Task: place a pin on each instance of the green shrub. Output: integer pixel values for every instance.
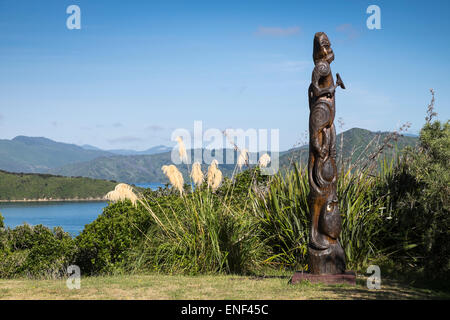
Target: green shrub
(104, 244)
(35, 251)
(2, 234)
(419, 187)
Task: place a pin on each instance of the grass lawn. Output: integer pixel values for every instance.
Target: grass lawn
(156, 286)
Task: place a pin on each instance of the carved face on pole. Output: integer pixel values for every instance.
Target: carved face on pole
(330, 217)
(322, 48)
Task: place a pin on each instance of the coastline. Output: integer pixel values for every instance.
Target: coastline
(57, 200)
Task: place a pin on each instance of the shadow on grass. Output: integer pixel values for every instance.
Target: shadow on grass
(390, 290)
(392, 287)
(416, 278)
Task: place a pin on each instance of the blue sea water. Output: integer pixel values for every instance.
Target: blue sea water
(71, 216)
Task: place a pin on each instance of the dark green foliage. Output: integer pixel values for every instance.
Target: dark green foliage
(35, 252)
(284, 218)
(104, 244)
(419, 189)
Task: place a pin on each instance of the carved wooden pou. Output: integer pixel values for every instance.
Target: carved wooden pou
(326, 255)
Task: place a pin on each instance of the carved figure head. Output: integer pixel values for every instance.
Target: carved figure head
(322, 48)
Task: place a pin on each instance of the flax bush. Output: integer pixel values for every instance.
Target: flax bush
(205, 232)
(285, 221)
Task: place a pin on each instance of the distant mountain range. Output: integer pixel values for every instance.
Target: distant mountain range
(37, 154)
(41, 155)
(127, 152)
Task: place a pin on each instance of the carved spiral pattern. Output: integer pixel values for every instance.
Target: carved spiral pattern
(323, 68)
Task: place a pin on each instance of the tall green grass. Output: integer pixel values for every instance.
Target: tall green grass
(285, 218)
(204, 233)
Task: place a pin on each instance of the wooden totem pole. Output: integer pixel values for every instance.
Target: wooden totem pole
(326, 255)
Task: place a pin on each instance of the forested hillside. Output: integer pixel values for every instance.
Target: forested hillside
(21, 186)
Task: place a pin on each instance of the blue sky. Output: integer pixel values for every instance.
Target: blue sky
(139, 69)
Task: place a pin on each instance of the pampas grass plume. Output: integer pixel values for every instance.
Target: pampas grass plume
(264, 160)
(175, 177)
(197, 174)
(122, 192)
(243, 157)
(217, 180)
(182, 150)
(214, 176)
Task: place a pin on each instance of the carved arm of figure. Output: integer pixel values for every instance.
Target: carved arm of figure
(321, 70)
